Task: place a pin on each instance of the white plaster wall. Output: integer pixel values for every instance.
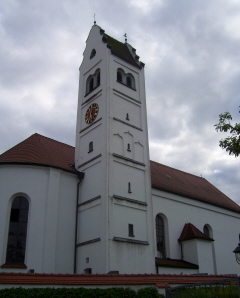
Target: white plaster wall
(122, 174)
(206, 262)
(130, 258)
(93, 182)
(190, 251)
(66, 224)
(138, 152)
(225, 226)
(129, 213)
(118, 144)
(51, 221)
(123, 105)
(100, 176)
(89, 222)
(95, 253)
(91, 135)
(127, 257)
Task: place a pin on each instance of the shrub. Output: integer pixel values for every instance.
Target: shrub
(79, 293)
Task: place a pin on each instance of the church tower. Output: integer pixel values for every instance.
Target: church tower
(114, 222)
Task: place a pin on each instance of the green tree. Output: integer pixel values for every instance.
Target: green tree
(231, 143)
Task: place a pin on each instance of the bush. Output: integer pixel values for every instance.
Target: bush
(208, 292)
(79, 293)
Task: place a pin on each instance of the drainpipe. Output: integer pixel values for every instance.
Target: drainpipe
(182, 256)
(80, 176)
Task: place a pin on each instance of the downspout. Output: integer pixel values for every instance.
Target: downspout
(80, 176)
(182, 256)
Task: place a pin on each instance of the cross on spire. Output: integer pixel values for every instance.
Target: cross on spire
(94, 19)
(125, 35)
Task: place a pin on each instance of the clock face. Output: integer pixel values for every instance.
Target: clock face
(91, 113)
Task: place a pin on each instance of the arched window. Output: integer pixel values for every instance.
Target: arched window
(93, 81)
(129, 82)
(160, 237)
(17, 234)
(119, 77)
(206, 230)
(126, 79)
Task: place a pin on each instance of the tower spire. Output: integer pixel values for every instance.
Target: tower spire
(94, 19)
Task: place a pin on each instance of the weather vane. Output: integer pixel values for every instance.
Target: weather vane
(125, 35)
(94, 19)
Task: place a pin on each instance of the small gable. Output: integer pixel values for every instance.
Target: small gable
(191, 232)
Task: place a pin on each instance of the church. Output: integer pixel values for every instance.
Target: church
(104, 206)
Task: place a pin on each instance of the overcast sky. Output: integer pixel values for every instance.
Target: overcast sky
(192, 68)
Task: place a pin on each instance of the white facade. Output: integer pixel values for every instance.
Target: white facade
(212, 257)
(106, 221)
(116, 187)
(52, 196)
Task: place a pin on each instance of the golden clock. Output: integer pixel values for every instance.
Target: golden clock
(91, 113)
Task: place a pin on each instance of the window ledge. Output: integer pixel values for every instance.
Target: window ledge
(91, 90)
(126, 85)
(14, 266)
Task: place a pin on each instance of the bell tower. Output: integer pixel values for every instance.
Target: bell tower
(115, 228)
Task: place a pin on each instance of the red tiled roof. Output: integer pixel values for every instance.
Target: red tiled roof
(185, 184)
(40, 150)
(191, 232)
(160, 280)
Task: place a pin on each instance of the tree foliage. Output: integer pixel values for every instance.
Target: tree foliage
(232, 143)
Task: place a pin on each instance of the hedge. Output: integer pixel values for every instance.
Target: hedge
(79, 293)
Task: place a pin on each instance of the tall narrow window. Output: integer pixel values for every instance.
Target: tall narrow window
(127, 117)
(119, 77)
(128, 148)
(90, 149)
(129, 187)
(129, 82)
(98, 79)
(130, 230)
(17, 234)
(160, 236)
(91, 82)
(206, 231)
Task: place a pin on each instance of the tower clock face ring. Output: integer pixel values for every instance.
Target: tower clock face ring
(91, 113)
